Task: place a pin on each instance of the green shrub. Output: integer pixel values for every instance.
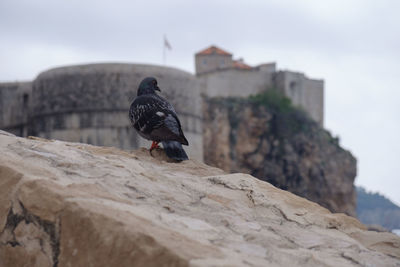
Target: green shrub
(288, 119)
(273, 100)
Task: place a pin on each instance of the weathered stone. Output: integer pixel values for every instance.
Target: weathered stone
(71, 204)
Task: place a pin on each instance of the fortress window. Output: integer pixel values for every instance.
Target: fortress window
(25, 100)
(204, 61)
(222, 62)
(292, 87)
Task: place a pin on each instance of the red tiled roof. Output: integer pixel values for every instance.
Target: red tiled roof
(238, 64)
(213, 50)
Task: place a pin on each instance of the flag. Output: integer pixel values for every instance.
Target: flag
(167, 44)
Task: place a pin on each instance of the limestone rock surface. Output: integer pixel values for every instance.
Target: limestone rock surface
(72, 204)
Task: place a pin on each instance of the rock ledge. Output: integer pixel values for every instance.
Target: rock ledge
(72, 204)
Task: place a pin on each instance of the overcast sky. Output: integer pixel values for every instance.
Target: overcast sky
(353, 45)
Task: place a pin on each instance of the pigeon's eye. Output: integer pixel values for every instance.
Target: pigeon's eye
(154, 82)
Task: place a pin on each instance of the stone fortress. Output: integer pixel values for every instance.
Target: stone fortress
(220, 75)
(89, 103)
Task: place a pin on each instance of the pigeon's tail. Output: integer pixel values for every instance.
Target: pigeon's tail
(174, 150)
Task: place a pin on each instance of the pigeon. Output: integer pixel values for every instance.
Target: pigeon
(154, 118)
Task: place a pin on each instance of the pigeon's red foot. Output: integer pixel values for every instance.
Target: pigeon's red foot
(154, 145)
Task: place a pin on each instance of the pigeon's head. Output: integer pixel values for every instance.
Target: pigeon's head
(148, 86)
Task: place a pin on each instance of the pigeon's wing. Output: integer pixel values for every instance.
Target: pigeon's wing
(143, 108)
(153, 116)
(172, 120)
(169, 130)
(172, 123)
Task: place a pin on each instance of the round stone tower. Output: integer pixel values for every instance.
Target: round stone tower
(90, 103)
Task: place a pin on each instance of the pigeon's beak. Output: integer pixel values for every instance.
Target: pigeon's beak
(158, 88)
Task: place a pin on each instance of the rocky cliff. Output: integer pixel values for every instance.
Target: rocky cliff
(268, 138)
(72, 204)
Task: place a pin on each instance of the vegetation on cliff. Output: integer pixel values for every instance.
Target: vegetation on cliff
(291, 119)
(288, 120)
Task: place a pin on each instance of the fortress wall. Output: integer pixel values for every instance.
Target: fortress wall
(108, 128)
(291, 84)
(235, 82)
(90, 104)
(105, 128)
(303, 92)
(314, 99)
(14, 106)
(107, 136)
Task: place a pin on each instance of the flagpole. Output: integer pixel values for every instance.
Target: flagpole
(164, 52)
(166, 45)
